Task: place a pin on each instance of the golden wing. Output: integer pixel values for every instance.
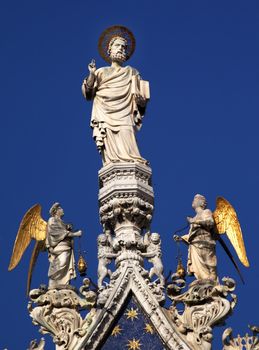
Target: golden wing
(31, 227)
(227, 222)
(38, 247)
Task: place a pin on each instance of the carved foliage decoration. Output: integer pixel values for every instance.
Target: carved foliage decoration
(126, 194)
(247, 342)
(57, 313)
(127, 207)
(205, 305)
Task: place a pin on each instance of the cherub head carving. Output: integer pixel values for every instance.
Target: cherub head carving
(155, 238)
(102, 239)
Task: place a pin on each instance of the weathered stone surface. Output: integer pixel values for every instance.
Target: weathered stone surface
(130, 281)
(57, 312)
(119, 99)
(126, 200)
(248, 342)
(205, 305)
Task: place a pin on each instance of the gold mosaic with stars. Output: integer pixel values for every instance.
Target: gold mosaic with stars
(131, 314)
(134, 344)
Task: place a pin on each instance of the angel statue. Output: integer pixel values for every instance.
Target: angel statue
(119, 98)
(205, 229)
(55, 236)
(153, 253)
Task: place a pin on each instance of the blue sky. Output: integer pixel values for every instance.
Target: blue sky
(200, 132)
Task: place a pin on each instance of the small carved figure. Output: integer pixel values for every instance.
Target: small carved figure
(205, 230)
(35, 346)
(89, 295)
(55, 236)
(119, 98)
(105, 254)
(153, 253)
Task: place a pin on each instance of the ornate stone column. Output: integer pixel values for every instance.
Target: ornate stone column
(126, 201)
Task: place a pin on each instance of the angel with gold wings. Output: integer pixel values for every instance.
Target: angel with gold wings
(55, 236)
(205, 229)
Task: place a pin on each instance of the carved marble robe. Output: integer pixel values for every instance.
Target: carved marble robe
(61, 255)
(202, 260)
(115, 114)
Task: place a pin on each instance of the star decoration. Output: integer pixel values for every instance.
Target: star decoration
(149, 329)
(116, 331)
(134, 344)
(131, 314)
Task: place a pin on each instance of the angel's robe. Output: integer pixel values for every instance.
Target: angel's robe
(202, 260)
(60, 250)
(115, 114)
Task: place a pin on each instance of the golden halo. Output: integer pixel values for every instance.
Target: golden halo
(112, 32)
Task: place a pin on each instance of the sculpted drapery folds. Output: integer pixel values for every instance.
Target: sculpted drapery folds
(60, 248)
(54, 236)
(202, 260)
(118, 105)
(201, 240)
(205, 229)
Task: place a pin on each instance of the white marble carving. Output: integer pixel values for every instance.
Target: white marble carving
(153, 253)
(126, 201)
(59, 242)
(57, 313)
(131, 280)
(129, 255)
(105, 256)
(205, 305)
(201, 240)
(118, 108)
(248, 342)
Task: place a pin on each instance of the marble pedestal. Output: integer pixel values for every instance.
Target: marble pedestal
(126, 200)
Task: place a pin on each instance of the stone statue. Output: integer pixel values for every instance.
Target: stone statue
(153, 253)
(55, 236)
(202, 261)
(60, 248)
(119, 98)
(105, 254)
(205, 229)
